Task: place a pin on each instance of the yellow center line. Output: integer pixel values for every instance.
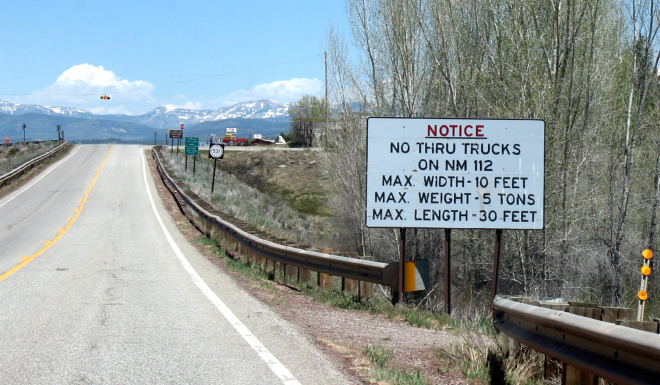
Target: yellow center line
(60, 233)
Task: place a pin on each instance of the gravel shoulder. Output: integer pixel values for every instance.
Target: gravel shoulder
(341, 334)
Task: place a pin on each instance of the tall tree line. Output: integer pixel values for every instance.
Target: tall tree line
(587, 67)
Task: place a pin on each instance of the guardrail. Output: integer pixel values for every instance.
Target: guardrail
(28, 142)
(590, 349)
(18, 171)
(260, 251)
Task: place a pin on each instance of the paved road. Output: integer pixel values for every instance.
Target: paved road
(98, 287)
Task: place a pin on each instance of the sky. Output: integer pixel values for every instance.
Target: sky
(145, 54)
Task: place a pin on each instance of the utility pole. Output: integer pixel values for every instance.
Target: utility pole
(24, 127)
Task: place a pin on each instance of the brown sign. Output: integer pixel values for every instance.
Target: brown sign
(176, 134)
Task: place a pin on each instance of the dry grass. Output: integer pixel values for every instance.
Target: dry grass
(263, 210)
(481, 358)
(19, 153)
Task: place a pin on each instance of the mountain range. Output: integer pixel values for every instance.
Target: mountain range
(266, 117)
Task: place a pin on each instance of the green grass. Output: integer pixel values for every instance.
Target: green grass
(398, 377)
(412, 316)
(379, 357)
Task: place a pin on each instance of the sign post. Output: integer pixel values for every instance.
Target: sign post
(216, 151)
(455, 174)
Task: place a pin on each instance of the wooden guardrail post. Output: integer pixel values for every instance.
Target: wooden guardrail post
(291, 272)
(324, 280)
(347, 284)
(575, 376)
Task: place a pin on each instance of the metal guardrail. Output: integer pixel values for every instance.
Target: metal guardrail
(18, 143)
(16, 172)
(615, 353)
(346, 267)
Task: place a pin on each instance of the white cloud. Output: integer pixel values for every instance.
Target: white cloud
(82, 85)
(280, 91)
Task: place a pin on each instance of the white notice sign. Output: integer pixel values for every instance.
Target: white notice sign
(455, 173)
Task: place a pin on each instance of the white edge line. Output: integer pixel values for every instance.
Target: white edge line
(39, 178)
(273, 363)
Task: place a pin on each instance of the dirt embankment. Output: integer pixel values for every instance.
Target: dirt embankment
(296, 177)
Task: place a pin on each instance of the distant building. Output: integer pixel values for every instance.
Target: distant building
(262, 142)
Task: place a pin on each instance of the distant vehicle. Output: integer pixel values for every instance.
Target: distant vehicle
(105, 97)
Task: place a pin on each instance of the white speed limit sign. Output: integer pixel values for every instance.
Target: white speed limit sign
(217, 151)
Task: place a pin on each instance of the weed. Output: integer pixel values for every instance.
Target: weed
(524, 367)
(205, 241)
(398, 377)
(378, 355)
(337, 298)
(471, 358)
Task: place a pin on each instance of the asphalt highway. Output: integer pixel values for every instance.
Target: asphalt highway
(97, 286)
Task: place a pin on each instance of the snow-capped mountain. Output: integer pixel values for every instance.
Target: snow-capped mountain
(168, 116)
(162, 117)
(260, 109)
(20, 109)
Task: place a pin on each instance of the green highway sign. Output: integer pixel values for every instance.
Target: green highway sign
(192, 145)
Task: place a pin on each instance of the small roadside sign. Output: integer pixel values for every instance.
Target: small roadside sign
(176, 134)
(217, 151)
(192, 145)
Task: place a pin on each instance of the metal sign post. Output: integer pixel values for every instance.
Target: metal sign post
(496, 264)
(402, 267)
(447, 263)
(216, 151)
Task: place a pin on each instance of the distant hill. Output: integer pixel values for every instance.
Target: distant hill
(258, 117)
(42, 127)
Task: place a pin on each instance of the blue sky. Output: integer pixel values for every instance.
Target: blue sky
(200, 54)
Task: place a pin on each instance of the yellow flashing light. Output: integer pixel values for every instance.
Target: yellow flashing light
(642, 295)
(647, 254)
(646, 270)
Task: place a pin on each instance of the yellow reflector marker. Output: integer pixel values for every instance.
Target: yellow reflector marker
(410, 280)
(647, 254)
(646, 270)
(642, 295)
